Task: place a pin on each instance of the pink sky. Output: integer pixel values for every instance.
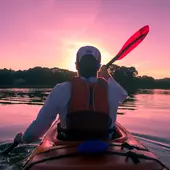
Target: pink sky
(49, 32)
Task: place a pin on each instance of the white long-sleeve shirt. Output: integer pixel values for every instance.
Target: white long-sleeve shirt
(57, 101)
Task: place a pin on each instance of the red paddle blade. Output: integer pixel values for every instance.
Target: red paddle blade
(132, 42)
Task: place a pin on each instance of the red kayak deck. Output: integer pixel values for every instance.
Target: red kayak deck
(124, 153)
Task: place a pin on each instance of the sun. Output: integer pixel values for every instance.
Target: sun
(72, 49)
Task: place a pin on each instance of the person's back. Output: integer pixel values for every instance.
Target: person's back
(84, 94)
(88, 104)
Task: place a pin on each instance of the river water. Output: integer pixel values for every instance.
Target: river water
(146, 115)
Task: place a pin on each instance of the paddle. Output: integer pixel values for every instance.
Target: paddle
(13, 145)
(130, 44)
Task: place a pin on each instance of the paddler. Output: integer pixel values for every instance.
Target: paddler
(77, 95)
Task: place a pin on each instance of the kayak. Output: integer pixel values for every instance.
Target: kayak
(123, 152)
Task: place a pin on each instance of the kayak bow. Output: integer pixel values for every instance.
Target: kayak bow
(123, 152)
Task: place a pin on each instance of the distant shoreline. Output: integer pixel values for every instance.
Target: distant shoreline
(27, 86)
(42, 77)
(50, 86)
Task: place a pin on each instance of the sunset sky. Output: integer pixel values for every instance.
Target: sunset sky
(48, 33)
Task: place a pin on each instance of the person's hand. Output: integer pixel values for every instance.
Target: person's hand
(18, 138)
(103, 72)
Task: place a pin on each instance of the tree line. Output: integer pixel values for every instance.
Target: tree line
(49, 77)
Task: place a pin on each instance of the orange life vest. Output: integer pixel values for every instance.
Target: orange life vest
(88, 96)
(88, 110)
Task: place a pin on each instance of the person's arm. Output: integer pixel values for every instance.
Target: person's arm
(45, 118)
(103, 72)
(116, 93)
(122, 94)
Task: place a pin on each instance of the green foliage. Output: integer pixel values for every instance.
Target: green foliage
(34, 77)
(129, 79)
(49, 77)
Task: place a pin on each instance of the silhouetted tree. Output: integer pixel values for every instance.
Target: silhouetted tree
(49, 77)
(126, 76)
